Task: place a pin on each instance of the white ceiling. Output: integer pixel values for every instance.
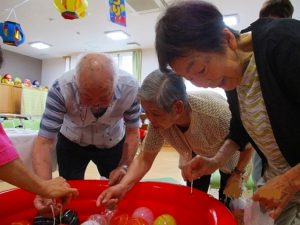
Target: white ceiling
(40, 21)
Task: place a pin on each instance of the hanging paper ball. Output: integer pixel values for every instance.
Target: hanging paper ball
(71, 9)
(11, 33)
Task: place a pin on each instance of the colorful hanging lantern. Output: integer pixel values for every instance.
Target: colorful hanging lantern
(11, 33)
(117, 12)
(71, 9)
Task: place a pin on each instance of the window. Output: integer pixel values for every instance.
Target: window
(124, 60)
(191, 87)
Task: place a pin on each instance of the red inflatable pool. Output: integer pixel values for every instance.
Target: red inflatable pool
(197, 208)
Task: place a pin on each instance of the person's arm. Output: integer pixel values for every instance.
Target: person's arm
(50, 125)
(128, 153)
(17, 174)
(234, 184)
(141, 164)
(244, 159)
(200, 165)
(137, 169)
(278, 192)
(41, 157)
(130, 147)
(132, 135)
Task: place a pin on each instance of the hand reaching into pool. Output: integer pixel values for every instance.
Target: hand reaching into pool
(110, 197)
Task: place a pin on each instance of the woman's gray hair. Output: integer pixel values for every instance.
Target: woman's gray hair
(163, 89)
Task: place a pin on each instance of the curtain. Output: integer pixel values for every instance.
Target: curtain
(137, 64)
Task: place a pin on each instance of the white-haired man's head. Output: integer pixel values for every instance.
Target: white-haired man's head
(96, 76)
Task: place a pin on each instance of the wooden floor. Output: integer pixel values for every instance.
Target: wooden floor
(165, 166)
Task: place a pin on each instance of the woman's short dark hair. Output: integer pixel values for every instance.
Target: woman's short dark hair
(277, 8)
(188, 26)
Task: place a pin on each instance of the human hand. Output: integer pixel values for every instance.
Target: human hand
(111, 196)
(56, 192)
(116, 175)
(198, 167)
(233, 188)
(58, 188)
(277, 193)
(47, 207)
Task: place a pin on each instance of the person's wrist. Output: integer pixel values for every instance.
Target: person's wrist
(292, 176)
(238, 171)
(124, 167)
(216, 163)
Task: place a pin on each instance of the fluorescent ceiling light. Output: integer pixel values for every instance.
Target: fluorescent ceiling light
(231, 20)
(117, 35)
(39, 45)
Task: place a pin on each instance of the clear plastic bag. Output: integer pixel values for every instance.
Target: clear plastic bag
(237, 207)
(248, 212)
(253, 215)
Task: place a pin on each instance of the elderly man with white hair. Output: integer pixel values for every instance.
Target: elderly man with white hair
(94, 113)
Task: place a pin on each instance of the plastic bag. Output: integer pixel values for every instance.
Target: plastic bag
(253, 215)
(237, 207)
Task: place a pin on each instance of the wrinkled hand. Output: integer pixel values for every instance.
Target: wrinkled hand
(116, 176)
(58, 188)
(276, 194)
(111, 196)
(56, 192)
(198, 167)
(234, 186)
(43, 206)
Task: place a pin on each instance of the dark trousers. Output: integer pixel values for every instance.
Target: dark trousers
(73, 159)
(224, 178)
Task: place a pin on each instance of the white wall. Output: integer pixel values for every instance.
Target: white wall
(52, 69)
(21, 66)
(149, 61)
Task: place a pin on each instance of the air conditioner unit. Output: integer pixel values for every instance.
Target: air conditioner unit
(148, 6)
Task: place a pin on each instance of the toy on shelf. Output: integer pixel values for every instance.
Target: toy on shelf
(18, 81)
(7, 79)
(71, 9)
(36, 83)
(27, 83)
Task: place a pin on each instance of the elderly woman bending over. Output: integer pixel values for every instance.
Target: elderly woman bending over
(194, 125)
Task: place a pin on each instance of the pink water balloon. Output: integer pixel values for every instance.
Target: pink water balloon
(144, 213)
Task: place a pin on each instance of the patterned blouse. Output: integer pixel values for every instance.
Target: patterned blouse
(256, 121)
(210, 117)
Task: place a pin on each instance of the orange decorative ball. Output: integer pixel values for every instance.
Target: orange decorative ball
(137, 221)
(120, 219)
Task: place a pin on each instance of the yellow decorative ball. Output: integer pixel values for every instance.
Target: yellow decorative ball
(165, 219)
